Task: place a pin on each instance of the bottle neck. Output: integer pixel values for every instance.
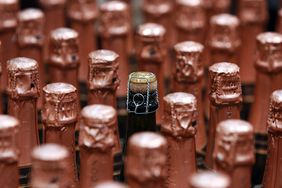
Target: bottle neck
(274, 163)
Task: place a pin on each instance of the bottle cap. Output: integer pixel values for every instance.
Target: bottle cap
(23, 78)
(189, 65)
(103, 67)
(146, 157)
(60, 104)
(97, 127)
(225, 84)
(30, 30)
(269, 55)
(180, 115)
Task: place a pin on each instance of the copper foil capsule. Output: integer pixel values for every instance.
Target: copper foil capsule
(59, 117)
(50, 167)
(54, 11)
(225, 99)
(272, 175)
(145, 163)
(188, 77)
(9, 152)
(115, 32)
(30, 40)
(23, 91)
(82, 16)
(253, 16)
(162, 12)
(96, 140)
(224, 40)
(268, 77)
(110, 184)
(64, 58)
(103, 82)
(234, 151)
(209, 179)
(8, 25)
(179, 128)
(190, 20)
(103, 79)
(151, 55)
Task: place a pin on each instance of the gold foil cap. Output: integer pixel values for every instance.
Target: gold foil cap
(209, 179)
(64, 47)
(30, 30)
(138, 82)
(157, 8)
(60, 104)
(23, 78)
(224, 32)
(97, 127)
(110, 184)
(225, 84)
(114, 19)
(84, 11)
(234, 144)
(146, 157)
(103, 67)
(8, 12)
(9, 129)
(189, 65)
(49, 163)
(180, 115)
(274, 122)
(269, 52)
(151, 32)
(190, 15)
(52, 3)
(252, 11)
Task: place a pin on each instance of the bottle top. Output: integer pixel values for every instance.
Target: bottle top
(30, 30)
(225, 84)
(64, 47)
(180, 115)
(234, 144)
(189, 65)
(253, 11)
(60, 104)
(8, 139)
(84, 11)
(8, 12)
(157, 8)
(50, 153)
(269, 55)
(110, 184)
(146, 157)
(50, 162)
(274, 122)
(224, 32)
(190, 14)
(114, 18)
(103, 67)
(142, 94)
(209, 179)
(24, 71)
(151, 32)
(97, 127)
